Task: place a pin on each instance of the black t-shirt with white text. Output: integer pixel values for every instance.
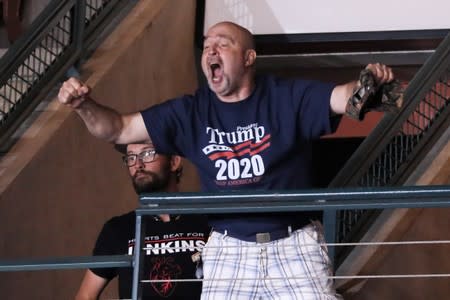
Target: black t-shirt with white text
(169, 247)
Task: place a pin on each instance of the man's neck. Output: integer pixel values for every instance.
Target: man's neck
(165, 218)
(171, 188)
(242, 92)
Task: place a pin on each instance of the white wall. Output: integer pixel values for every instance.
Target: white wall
(320, 16)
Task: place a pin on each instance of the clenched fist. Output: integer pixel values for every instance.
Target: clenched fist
(381, 73)
(376, 90)
(73, 92)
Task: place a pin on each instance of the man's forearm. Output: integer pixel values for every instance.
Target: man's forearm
(101, 121)
(340, 95)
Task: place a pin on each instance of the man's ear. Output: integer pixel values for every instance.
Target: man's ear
(175, 163)
(250, 57)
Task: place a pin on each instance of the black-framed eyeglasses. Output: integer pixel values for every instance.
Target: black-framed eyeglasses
(146, 156)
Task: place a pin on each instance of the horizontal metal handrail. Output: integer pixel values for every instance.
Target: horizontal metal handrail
(304, 200)
(79, 262)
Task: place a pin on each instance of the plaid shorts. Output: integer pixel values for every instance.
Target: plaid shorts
(296, 267)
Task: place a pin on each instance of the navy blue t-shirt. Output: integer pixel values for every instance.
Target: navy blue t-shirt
(260, 143)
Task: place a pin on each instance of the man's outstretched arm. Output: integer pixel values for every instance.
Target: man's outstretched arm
(101, 121)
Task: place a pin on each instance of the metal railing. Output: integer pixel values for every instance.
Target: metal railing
(57, 39)
(66, 263)
(328, 200)
(391, 152)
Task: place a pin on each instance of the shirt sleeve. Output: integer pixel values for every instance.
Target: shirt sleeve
(312, 102)
(167, 124)
(106, 245)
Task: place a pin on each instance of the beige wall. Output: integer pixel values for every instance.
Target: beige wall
(55, 195)
(428, 225)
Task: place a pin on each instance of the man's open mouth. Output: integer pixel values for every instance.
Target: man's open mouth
(216, 72)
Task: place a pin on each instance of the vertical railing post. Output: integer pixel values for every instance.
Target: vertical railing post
(136, 291)
(79, 25)
(329, 225)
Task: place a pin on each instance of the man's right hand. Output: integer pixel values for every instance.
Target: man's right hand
(73, 92)
(102, 121)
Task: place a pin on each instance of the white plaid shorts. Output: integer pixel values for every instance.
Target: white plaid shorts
(295, 267)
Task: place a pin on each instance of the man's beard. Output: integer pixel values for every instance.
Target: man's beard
(151, 182)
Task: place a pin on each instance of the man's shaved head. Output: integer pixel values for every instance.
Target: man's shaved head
(228, 61)
(244, 35)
